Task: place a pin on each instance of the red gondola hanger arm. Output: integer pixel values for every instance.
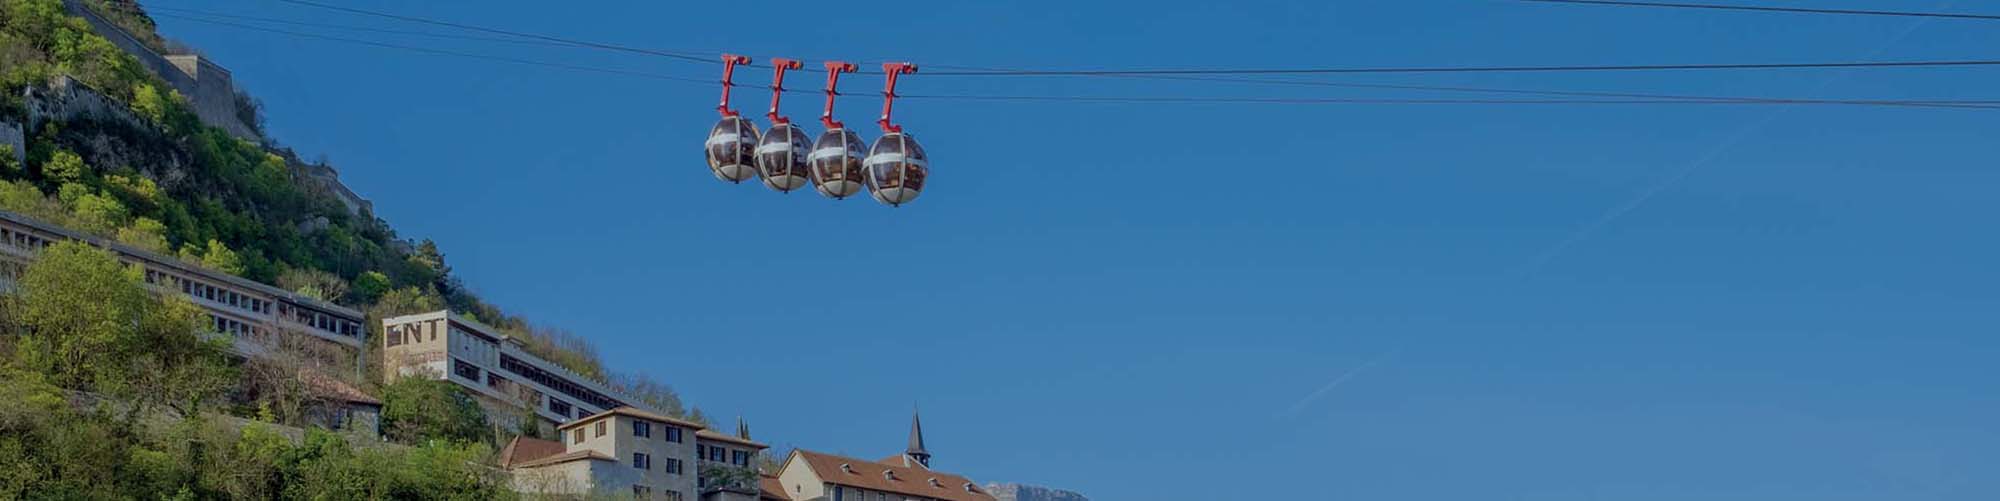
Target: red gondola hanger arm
(729, 62)
(780, 64)
(833, 71)
(892, 70)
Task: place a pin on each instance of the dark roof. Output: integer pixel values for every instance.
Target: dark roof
(565, 458)
(633, 412)
(525, 449)
(724, 437)
(902, 480)
(916, 437)
(330, 387)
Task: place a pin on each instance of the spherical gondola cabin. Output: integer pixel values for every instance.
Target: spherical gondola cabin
(781, 157)
(732, 149)
(897, 167)
(836, 163)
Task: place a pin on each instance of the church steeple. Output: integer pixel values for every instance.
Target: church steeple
(917, 451)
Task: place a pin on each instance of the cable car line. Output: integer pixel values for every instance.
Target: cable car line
(193, 14)
(453, 53)
(1473, 69)
(693, 57)
(1760, 8)
(497, 31)
(1631, 98)
(1290, 100)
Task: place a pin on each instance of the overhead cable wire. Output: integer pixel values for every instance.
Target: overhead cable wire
(1630, 98)
(444, 52)
(1762, 8)
(1468, 69)
(1295, 100)
(463, 26)
(1211, 71)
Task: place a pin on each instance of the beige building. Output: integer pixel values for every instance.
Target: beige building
(630, 451)
(814, 476)
(497, 369)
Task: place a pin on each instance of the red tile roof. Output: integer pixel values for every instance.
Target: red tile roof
(901, 479)
(768, 488)
(525, 449)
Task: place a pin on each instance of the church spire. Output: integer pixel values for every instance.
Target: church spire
(916, 450)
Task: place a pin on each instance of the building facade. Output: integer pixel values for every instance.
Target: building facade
(816, 476)
(496, 368)
(630, 451)
(257, 317)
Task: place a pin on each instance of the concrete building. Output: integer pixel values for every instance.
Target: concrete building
(631, 451)
(815, 476)
(497, 369)
(257, 317)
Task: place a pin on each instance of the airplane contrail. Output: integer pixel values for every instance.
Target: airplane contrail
(1337, 381)
(1609, 216)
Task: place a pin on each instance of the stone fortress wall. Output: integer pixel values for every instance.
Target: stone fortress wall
(209, 88)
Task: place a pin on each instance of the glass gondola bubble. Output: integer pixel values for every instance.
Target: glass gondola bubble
(732, 149)
(896, 167)
(781, 157)
(836, 163)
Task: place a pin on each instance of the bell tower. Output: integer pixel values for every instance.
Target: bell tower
(916, 451)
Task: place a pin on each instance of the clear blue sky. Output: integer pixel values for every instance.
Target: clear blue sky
(1152, 302)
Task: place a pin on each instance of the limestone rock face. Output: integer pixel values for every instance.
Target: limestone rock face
(1019, 492)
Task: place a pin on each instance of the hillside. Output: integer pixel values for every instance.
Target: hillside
(148, 172)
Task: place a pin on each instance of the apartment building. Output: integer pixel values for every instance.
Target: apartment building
(630, 451)
(256, 316)
(496, 368)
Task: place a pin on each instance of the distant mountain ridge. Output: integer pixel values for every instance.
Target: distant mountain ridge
(1021, 492)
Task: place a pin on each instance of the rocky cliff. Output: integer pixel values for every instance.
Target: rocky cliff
(1018, 492)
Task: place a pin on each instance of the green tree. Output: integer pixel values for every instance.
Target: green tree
(9, 166)
(417, 409)
(146, 233)
(370, 286)
(215, 257)
(63, 166)
(86, 323)
(149, 104)
(313, 283)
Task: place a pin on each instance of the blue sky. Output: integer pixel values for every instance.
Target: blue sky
(1226, 301)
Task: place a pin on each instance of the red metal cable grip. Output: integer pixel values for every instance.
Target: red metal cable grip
(778, 87)
(892, 70)
(729, 62)
(833, 71)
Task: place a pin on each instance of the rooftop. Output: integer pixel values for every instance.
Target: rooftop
(634, 412)
(894, 478)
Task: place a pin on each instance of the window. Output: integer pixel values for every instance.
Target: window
(642, 492)
(673, 434)
(642, 461)
(576, 437)
(740, 458)
(700, 451)
(642, 429)
(673, 495)
(715, 453)
(560, 408)
(673, 466)
(465, 369)
(600, 427)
